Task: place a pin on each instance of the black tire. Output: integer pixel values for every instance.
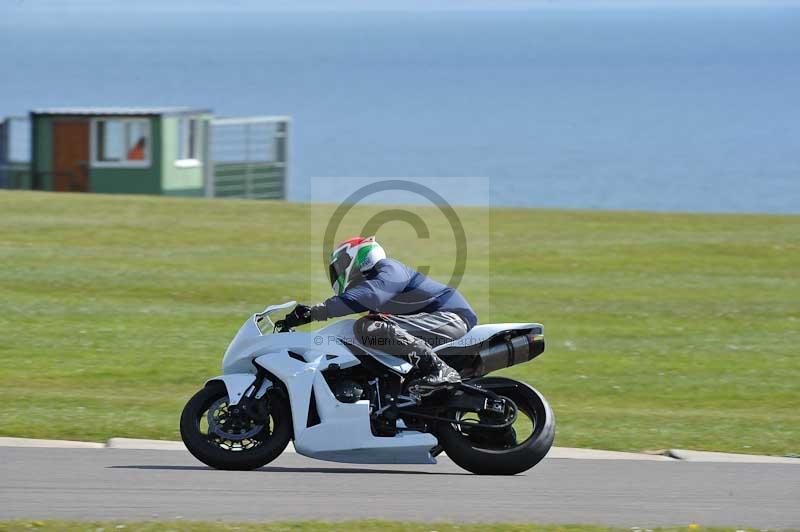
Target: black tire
(521, 456)
(270, 442)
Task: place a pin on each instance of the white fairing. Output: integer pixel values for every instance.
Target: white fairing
(343, 433)
(236, 384)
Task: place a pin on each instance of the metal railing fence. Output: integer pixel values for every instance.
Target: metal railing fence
(15, 150)
(248, 157)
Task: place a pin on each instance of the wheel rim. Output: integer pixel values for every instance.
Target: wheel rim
(230, 429)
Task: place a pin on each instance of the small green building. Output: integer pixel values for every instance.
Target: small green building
(171, 150)
(119, 150)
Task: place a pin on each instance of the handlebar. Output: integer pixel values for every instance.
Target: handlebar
(281, 326)
(299, 316)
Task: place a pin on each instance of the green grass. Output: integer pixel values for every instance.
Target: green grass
(664, 330)
(310, 526)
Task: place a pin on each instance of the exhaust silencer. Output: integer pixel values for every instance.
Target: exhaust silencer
(508, 352)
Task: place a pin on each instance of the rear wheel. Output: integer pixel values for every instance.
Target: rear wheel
(506, 451)
(224, 437)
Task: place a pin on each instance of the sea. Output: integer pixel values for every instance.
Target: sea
(666, 107)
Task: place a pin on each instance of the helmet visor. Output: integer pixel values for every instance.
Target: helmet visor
(338, 269)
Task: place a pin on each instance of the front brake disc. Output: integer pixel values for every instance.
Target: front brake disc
(221, 423)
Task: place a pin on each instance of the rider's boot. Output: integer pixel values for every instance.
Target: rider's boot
(433, 373)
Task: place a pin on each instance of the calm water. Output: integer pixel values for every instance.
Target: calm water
(694, 109)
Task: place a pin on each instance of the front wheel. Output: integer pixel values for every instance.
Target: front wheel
(224, 437)
(502, 452)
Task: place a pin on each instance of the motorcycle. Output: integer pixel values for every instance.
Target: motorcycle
(340, 400)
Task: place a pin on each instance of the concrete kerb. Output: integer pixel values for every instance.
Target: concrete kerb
(669, 455)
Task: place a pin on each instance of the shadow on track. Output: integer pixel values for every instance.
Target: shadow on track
(276, 469)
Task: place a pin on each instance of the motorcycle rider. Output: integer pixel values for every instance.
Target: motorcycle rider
(408, 313)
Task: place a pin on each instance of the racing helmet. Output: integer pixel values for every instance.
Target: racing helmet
(350, 259)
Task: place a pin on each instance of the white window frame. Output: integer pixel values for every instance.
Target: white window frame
(93, 148)
(190, 123)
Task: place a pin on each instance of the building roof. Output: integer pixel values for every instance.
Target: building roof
(119, 111)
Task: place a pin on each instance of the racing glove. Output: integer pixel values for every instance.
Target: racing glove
(299, 316)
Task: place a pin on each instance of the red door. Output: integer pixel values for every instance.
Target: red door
(71, 156)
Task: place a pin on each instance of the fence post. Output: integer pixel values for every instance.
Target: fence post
(282, 152)
(248, 176)
(208, 160)
(3, 152)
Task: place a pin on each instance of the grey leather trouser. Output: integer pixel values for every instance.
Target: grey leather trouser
(410, 336)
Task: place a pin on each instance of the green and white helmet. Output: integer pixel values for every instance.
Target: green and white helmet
(351, 258)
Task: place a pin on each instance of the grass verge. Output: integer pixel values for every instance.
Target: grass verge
(664, 330)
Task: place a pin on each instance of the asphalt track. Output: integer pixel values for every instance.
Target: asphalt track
(41, 483)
